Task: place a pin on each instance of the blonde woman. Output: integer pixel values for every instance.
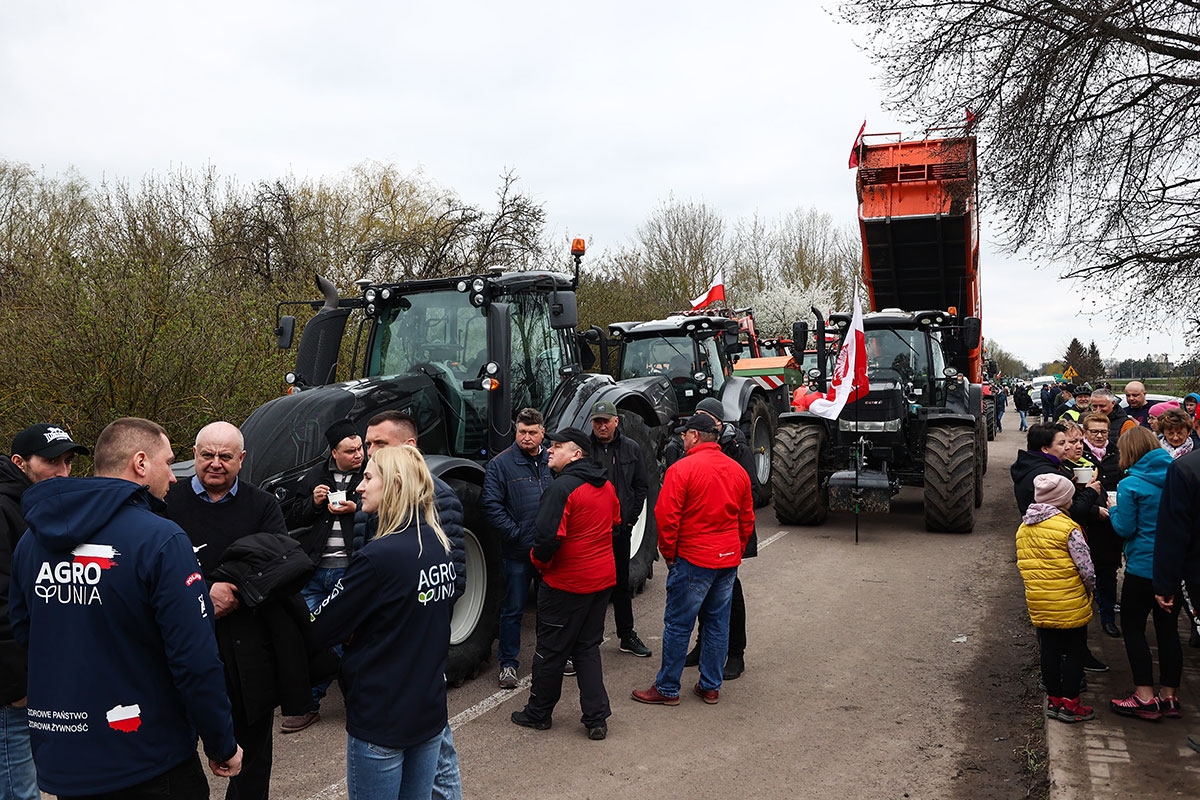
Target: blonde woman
(392, 608)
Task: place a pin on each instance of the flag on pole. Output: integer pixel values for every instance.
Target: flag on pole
(858, 140)
(850, 371)
(715, 292)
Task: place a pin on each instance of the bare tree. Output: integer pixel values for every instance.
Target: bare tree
(1087, 120)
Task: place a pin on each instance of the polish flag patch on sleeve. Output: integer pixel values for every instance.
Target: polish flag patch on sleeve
(102, 555)
(126, 719)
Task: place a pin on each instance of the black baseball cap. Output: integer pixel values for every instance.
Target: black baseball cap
(45, 440)
(702, 423)
(573, 435)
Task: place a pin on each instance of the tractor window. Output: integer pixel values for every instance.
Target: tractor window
(539, 352)
(712, 364)
(441, 329)
(672, 356)
(897, 352)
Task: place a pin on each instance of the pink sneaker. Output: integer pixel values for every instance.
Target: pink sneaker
(1170, 707)
(1134, 706)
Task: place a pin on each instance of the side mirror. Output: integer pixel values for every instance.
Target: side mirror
(285, 331)
(564, 311)
(971, 332)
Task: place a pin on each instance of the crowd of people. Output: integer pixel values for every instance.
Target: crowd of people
(146, 614)
(1100, 487)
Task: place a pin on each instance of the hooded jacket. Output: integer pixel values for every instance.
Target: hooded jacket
(1177, 542)
(1029, 465)
(13, 483)
(572, 540)
(109, 599)
(1135, 516)
(705, 510)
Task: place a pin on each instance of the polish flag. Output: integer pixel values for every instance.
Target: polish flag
(102, 555)
(850, 371)
(715, 292)
(858, 140)
(126, 719)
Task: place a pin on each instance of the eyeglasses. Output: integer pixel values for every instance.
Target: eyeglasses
(1097, 431)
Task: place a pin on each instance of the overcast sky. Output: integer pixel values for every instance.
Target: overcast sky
(604, 110)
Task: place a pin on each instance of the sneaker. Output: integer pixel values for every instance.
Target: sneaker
(1170, 707)
(1053, 707)
(1134, 706)
(633, 645)
(598, 732)
(526, 721)
(569, 668)
(710, 696)
(654, 697)
(1071, 710)
(294, 723)
(1093, 664)
(508, 677)
(693, 657)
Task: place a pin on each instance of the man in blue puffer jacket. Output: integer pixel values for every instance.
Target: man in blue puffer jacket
(512, 491)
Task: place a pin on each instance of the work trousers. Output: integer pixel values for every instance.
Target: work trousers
(254, 781)
(569, 626)
(184, 781)
(622, 598)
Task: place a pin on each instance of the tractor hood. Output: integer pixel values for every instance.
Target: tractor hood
(288, 433)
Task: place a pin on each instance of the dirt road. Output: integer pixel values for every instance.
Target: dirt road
(899, 667)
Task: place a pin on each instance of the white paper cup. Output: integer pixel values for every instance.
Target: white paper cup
(1084, 474)
(337, 498)
(1112, 498)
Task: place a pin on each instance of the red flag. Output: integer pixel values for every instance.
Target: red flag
(715, 292)
(850, 372)
(857, 144)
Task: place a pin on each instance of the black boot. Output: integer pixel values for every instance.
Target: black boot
(735, 665)
(693, 657)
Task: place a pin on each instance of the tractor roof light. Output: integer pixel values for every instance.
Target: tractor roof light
(370, 295)
(491, 368)
(385, 294)
(461, 286)
(578, 247)
(490, 385)
(477, 285)
(371, 309)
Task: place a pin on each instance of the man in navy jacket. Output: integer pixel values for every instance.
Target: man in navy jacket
(108, 597)
(512, 491)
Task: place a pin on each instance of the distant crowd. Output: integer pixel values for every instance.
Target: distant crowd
(1109, 494)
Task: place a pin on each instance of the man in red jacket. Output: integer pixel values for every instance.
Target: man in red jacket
(705, 515)
(573, 549)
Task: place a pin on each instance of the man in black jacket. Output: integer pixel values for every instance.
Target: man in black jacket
(621, 458)
(216, 509)
(326, 530)
(1177, 543)
(39, 452)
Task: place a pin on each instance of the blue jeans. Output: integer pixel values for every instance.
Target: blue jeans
(695, 591)
(320, 586)
(18, 780)
(1024, 421)
(447, 784)
(517, 575)
(374, 772)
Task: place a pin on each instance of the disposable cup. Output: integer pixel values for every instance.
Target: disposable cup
(1112, 498)
(1084, 474)
(337, 498)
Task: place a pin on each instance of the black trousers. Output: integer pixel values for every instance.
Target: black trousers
(569, 626)
(1063, 651)
(254, 781)
(183, 782)
(622, 599)
(1137, 605)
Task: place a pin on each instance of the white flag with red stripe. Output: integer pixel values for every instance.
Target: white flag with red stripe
(715, 292)
(850, 372)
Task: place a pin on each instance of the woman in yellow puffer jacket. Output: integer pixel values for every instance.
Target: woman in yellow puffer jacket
(1053, 557)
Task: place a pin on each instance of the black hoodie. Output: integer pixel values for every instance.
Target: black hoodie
(13, 673)
(1029, 465)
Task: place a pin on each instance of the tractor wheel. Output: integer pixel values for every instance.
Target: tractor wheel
(950, 479)
(989, 414)
(759, 426)
(643, 544)
(981, 459)
(476, 614)
(801, 496)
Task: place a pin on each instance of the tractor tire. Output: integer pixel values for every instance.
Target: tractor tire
(476, 616)
(801, 495)
(759, 426)
(981, 458)
(643, 543)
(951, 472)
(989, 414)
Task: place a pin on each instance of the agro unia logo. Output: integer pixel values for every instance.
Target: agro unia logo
(76, 582)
